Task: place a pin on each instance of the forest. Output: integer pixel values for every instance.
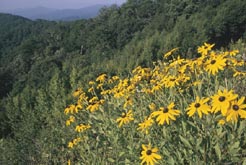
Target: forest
(44, 63)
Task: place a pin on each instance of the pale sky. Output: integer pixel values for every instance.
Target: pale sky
(57, 4)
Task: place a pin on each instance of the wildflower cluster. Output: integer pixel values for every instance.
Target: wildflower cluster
(162, 100)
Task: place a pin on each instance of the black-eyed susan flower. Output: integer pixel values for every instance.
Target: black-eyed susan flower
(233, 52)
(70, 145)
(239, 73)
(93, 106)
(145, 125)
(125, 118)
(74, 142)
(70, 120)
(176, 62)
(149, 155)
(171, 81)
(93, 99)
(69, 109)
(100, 86)
(221, 101)
(205, 48)
(221, 122)
(91, 82)
(128, 102)
(152, 106)
(82, 127)
(215, 63)
(77, 108)
(198, 106)
(165, 114)
(236, 109)
(101, 78)
(166, 55)
(77, 92)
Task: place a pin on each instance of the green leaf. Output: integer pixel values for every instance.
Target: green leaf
(171, 161)
(217, 151)
(121, 154)
(198, 142)
(233, 149)
(111, 160)
(184, 126)
(244, 161)
(235, 145)
(241, 128)
(185, 141)
(127, 161)
(192, 124)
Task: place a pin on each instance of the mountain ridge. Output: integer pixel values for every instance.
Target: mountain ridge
(53, 14)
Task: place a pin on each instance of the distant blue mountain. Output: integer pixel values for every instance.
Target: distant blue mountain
(58, 14)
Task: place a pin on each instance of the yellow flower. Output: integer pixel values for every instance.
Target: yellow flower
(128, 102)
(238, 73)
(171, 81)
(236, 109)
(198, 106)
(76, 140)
(69, 109)
(101, 78)
(156, 87)
(221, 122)
(77, 92)
(91, 89)
(125, 118)
(100, 86)
(144, 126)
(70, 145)
(196, 83)
(77, 108)
(91, 82)
(82, 127)
(115, 78)
(176, 62)
(93, 99)
(164, 114)
(70, 120)
(149, 155)
(215, 64)
(205, 48)
(68, 162)
(166, 55)
(221, 101)
(93, 106)
(234, 52)
(152, 107)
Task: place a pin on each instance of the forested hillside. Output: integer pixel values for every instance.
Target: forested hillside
(42, 62)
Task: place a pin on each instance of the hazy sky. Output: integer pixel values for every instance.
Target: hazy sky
(59, 4)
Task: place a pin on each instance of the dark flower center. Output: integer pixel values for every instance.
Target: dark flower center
(222, 98)
(213, 62)
(123, 115)
(235, 107)
(197, 105)
(148, 152)
(165, 110)
(172, 79)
